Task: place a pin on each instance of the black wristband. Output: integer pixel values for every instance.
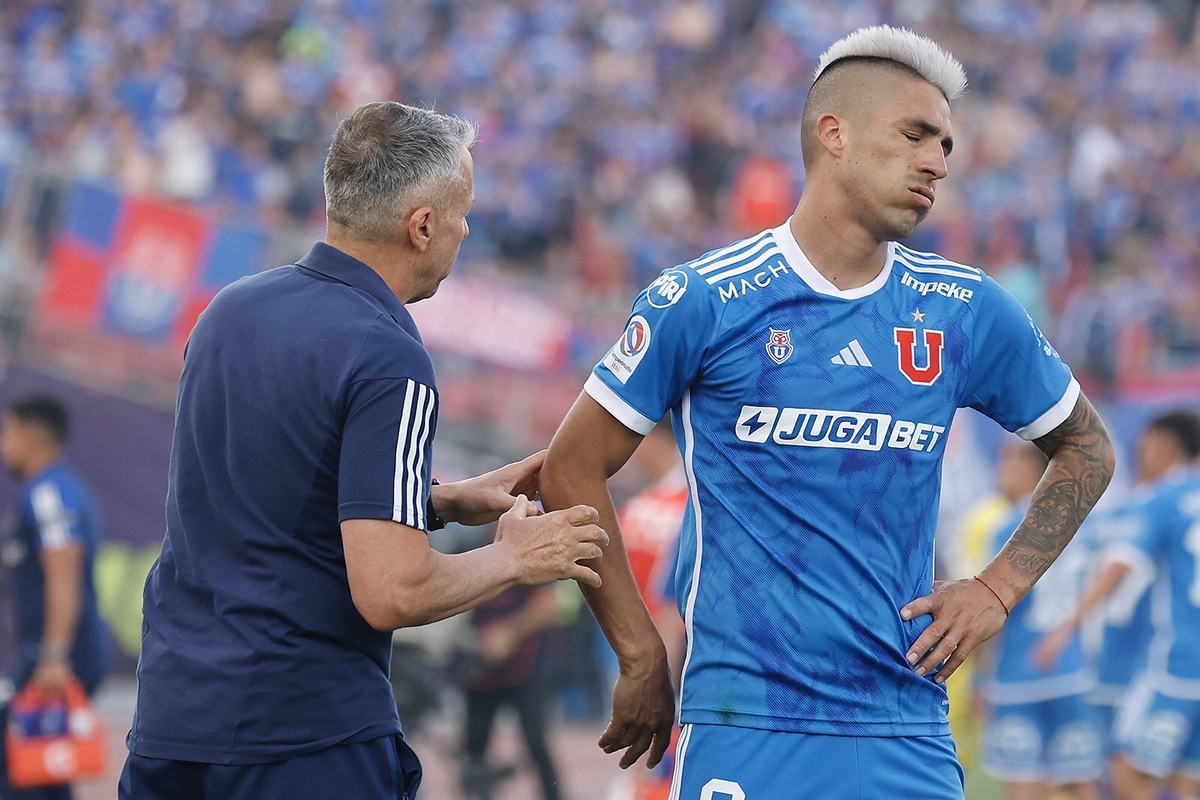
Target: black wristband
(432, 521)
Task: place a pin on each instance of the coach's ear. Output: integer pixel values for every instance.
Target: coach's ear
(420, 228)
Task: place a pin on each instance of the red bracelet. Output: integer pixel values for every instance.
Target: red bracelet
(993, 591)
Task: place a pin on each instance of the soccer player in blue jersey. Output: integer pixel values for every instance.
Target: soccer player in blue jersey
(1157, 730)
(811, 372)
(50, 555)
(1042, 738)
(300, 498)
(1120, 585)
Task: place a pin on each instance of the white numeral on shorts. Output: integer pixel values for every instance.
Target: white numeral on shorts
(727, 789)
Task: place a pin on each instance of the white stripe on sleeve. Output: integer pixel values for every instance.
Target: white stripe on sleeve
(626, 414)
(54, 527)
(416, 422)
(401, 511)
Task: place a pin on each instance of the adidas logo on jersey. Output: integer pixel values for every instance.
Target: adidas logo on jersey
(852, 355)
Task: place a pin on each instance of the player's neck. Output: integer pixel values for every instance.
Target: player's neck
(846, 255)
(37, 463)
(387, 259)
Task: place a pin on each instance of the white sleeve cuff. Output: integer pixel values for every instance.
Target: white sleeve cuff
(624, 413)
(1054, 417)
(1131, 556)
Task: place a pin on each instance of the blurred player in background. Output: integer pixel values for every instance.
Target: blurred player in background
(1119, 587)
(812, 371)
(509, 633)
(50, 555)
(300, 498)
(1157, 729)
(1042, 736)
(650, 525)
(971, 550)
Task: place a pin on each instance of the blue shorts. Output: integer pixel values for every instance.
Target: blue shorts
(1106, 717)
(380, 769)
(717, 762)
(1159, 734)
(1055, 741)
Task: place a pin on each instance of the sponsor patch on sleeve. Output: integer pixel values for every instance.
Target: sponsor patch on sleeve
(628, 352)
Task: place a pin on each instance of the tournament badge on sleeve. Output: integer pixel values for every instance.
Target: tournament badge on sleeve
(53, 739)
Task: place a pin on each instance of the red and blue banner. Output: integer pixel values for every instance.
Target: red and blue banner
(141, 269)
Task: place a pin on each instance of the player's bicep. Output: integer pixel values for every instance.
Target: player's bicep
(63, 566)
(590, 442)
(383, 558)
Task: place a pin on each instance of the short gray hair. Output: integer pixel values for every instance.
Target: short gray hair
(919, 53)
(381, 154)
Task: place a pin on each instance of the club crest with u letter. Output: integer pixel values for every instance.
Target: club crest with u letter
(779, 345)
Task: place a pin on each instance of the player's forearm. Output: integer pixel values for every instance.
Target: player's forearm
(617, 604)
(63, 607)
(1080, 468)
(445, 585)
(1100, 590)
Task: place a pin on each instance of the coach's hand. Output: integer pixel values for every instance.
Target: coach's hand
(549, 547)
(643, 714)
(965, 614)
(482, 499)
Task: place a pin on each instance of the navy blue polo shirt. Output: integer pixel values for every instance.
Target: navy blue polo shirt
(306, 399)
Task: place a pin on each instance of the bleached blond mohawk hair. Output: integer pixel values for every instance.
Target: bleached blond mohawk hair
(919, 53)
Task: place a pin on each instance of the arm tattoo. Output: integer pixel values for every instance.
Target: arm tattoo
(1081, 465)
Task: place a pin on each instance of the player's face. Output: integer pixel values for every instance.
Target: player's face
(1156, 454)
(15, 439)
(897, 155)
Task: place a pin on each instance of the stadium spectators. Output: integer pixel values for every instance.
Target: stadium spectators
(619, 135)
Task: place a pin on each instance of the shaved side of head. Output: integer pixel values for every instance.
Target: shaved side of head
(848, 88)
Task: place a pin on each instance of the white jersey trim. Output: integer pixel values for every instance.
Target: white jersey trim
(816, 281)
(54, 528)
(689, 611)
(681, 747)
(1054, 416)
(1131, 556)
(613, 403)
(1002, 693)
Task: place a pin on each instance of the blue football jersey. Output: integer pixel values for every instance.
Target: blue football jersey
(812, 422)
(1126, 626)
(1169, 538)
(1013, 677)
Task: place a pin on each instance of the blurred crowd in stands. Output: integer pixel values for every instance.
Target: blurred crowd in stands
(619, 137)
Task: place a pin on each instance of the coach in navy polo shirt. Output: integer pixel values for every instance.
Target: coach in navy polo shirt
(300, 497)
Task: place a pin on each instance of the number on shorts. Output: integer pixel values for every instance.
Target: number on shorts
(718, 789)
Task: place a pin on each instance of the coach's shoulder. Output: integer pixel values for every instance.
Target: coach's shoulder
(392, 349)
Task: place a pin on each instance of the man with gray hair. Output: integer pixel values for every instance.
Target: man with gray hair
(811, 373)
(300, 498)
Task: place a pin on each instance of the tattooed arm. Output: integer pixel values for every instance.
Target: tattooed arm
(969, 612)
(1081, 465)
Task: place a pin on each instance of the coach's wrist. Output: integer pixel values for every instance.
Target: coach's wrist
(443, 503)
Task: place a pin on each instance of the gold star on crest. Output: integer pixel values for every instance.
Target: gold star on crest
(918, 316)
